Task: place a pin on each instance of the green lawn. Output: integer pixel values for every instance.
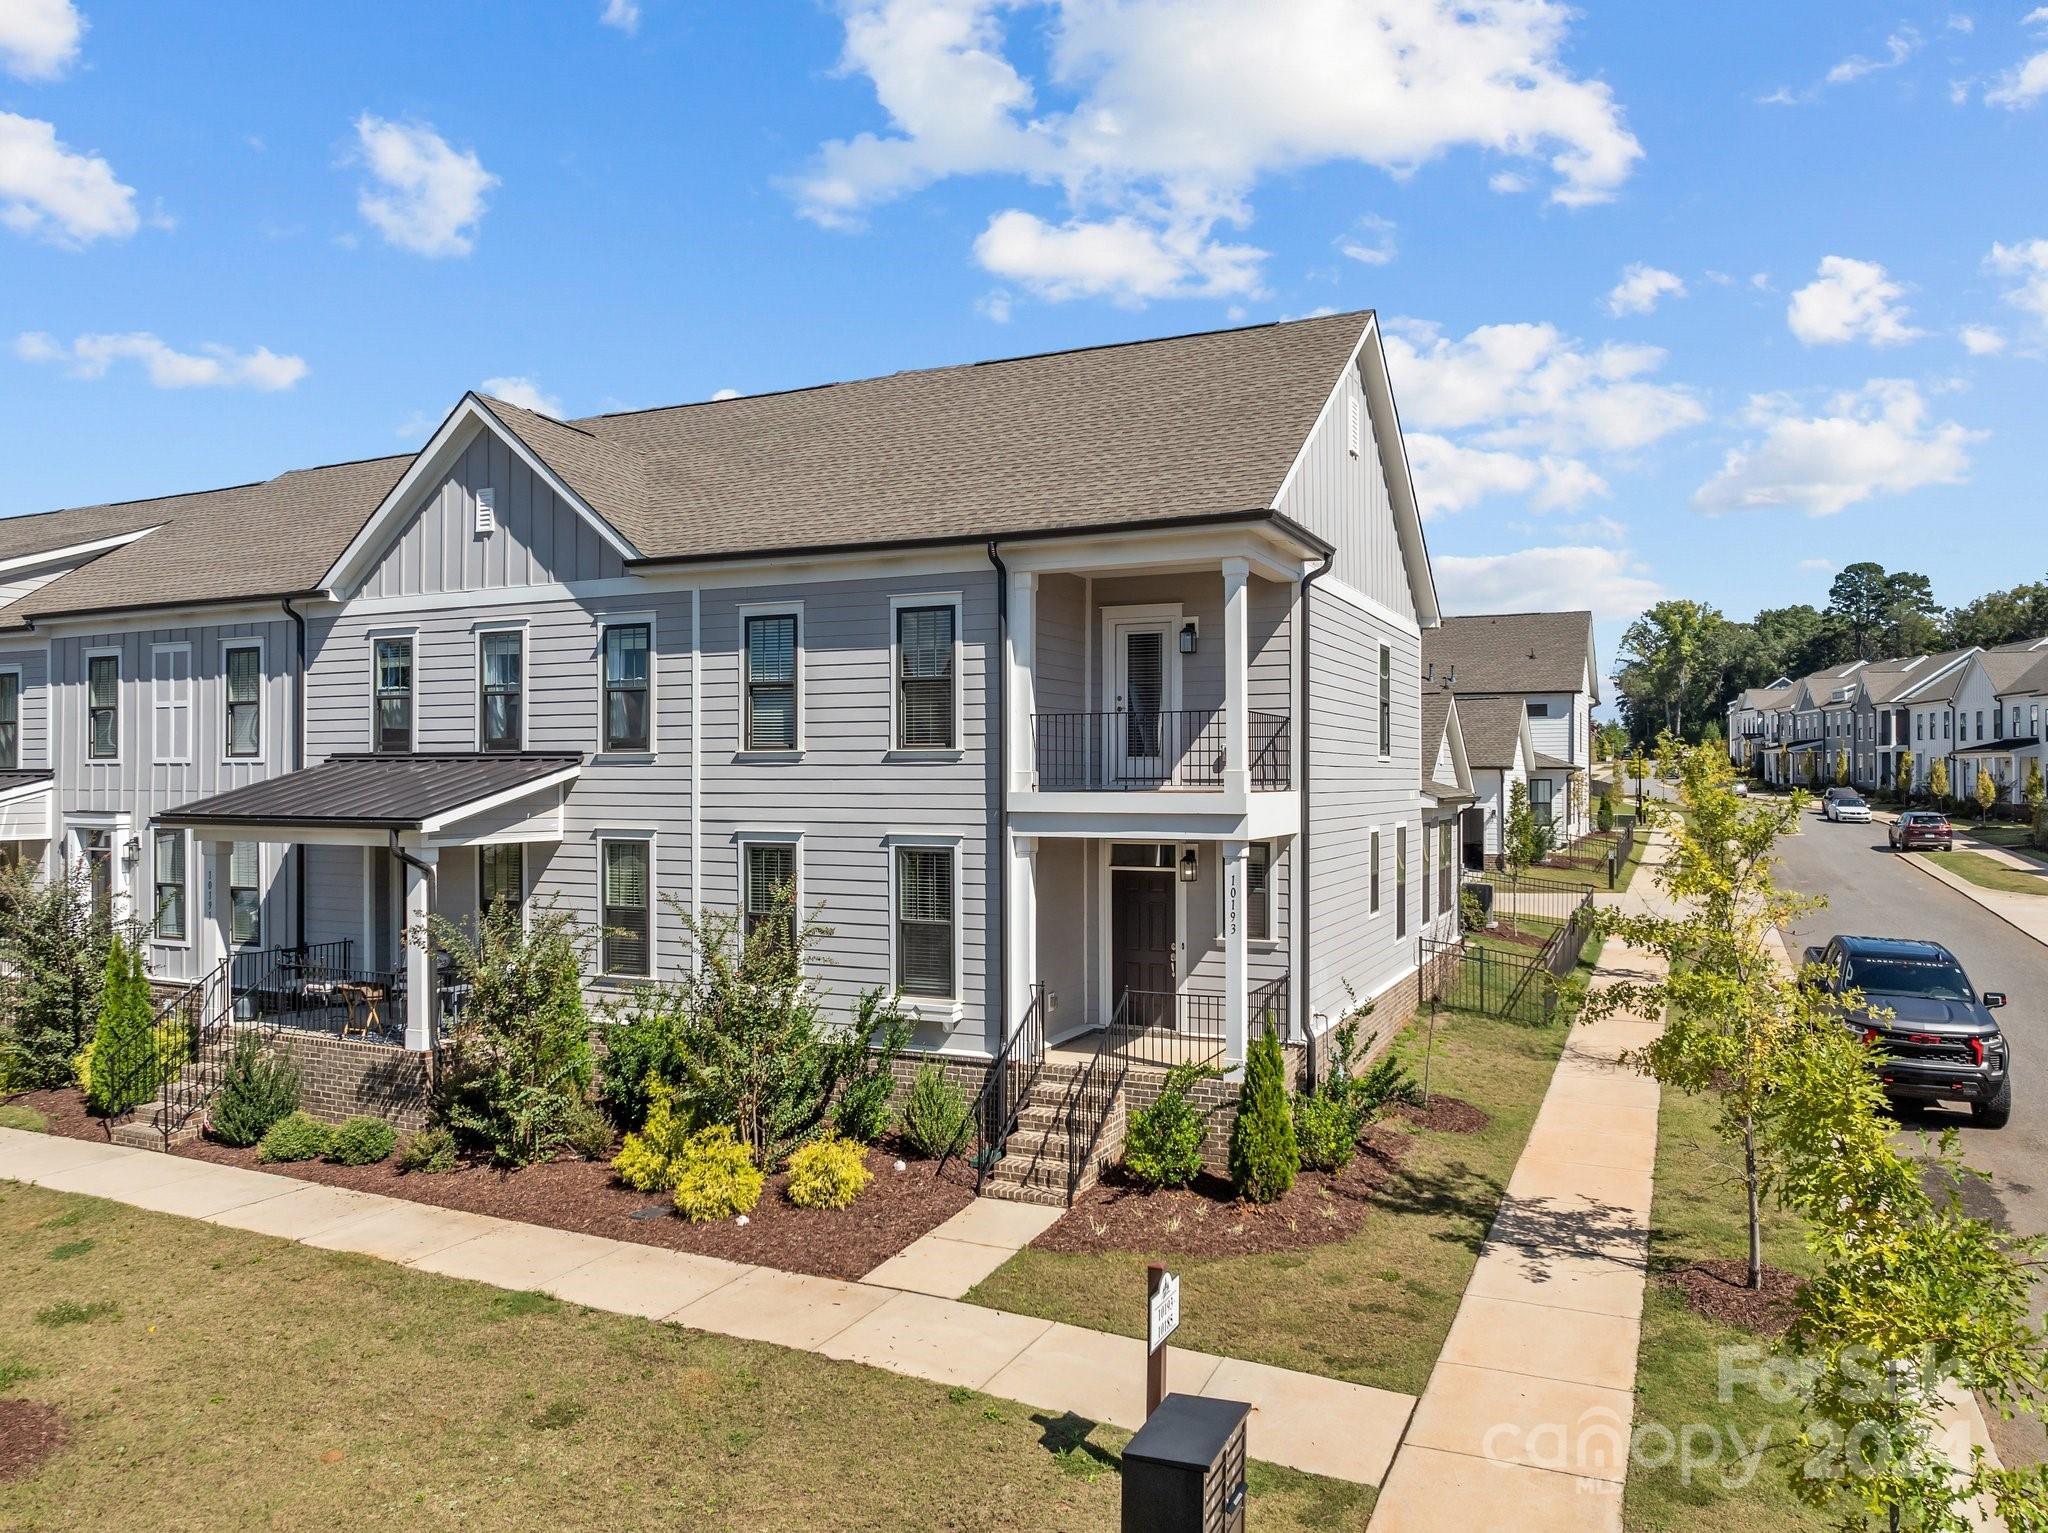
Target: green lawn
(1373, 1309)
(1594, 845)
(215, 1379)
(27, 1119)
(1987, 873)
(1697, 1214)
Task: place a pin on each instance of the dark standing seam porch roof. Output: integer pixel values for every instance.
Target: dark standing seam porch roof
(1997, 747)
(14, 782)
(368, 792)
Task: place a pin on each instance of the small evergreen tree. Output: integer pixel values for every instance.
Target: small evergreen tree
(257, 1089)
(126, 1068)
(1263, 1153)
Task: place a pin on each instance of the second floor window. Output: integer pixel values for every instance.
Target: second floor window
(170, 886)
(626, 676)
(501, 685)
(1386, 701)
(10, 721)
(243, 664)
(391, 680)
(924, 678)
(771, 701)
(103, 708)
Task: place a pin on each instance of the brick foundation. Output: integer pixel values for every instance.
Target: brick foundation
(340, 1079)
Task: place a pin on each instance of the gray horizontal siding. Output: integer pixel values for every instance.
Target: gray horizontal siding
(32, 662)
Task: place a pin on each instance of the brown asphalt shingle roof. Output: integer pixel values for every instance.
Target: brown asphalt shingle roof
(1492, 727)
(1512, 651)
(1176, 429)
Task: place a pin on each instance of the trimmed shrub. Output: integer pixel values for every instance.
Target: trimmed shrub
(294, 1137)
(361, 1141)
(429, 1151)
(828, 1173)
(53, 960)
(935, 1116)
(1326, 1129)
(1163, 1142)
(862, 1111)
(1263, 1152)
(715, 1177)
(589, 1134)
(257, 1088)
(643, 1042)
(646, 1162)
(1387, 1084)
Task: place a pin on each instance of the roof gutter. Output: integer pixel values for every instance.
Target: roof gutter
(1002, 748)
(1305, 1005)
(73, 614)
(298, 758)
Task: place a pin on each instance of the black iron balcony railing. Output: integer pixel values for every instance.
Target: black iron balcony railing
(1161, 748)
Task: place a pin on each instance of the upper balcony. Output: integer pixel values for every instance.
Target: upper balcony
(1148, 748)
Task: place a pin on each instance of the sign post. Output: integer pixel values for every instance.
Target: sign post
(1162, 1304)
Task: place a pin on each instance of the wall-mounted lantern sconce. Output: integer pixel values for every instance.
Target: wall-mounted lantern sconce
(1188, 863)
(1188, 632)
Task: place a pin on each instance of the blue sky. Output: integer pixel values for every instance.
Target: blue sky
(1689, 300)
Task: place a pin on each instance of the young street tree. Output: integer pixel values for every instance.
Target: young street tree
(1937, 783)
(1986, 792)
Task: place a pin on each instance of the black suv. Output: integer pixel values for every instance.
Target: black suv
(1938, 1042)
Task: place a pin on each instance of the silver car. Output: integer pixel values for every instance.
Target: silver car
(1848, 809)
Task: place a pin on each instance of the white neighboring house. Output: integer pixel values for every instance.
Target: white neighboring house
(1501, 753)
(1998, 719)
(1546, 664)
(1747, 711)
(1448, 803)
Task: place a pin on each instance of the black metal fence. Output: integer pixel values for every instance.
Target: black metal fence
(1156, 748)
(1623, 848)
(1523, 985)
(1509, 895)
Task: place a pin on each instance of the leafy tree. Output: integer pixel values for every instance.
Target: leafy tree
(1671, 663)
(2036, 790)
(1904, 780)
(1986, 791)
(1937, 783)
(1263, 1152)
(2000, 617)
(53, 960)
(1841, 769)
(1523, 841)
(1878, 607)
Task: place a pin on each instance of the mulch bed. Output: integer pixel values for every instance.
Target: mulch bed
(1720, 1290)
(1514, 938)
(1206, 1220)
(30, 1432)
(581, 1196)
(1447, 1115)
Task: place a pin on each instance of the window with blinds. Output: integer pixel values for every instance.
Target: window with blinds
(391, 679)
(626, 678)
(770, 876)
(10, 721)
(628, 897)
(924, 921)
(925, 681)
(245, 894)
(243, 664)
(501, 679)
(771, 681)
(1258, 925)
(170, 886)
(103, 708)
(501, 877)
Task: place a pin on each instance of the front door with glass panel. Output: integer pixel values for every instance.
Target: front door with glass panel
(1144, 687)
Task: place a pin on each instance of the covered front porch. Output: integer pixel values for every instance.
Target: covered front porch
(25, 799)
(387, 842)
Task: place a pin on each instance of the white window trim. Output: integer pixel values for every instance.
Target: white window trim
(748, 752)
(154, 907)
(479, 633)
(767, 836)
(605, 623)
(85, 717)
(20, 675)
(262, 756)
(647, 838)
(1269, 942)
(1383, 652)
(1372, 869)
(898, 751)
(525, 880)
(227, 890)
(943, 1007)
(412, 637)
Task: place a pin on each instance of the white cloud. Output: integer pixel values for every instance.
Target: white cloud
(724, 394)
(1610, 581)
(2027, 81)
(1167, 115)
(1120, 258)
(212, 366)
(1641, 287)
(1507, 182)
(1818, 566)
(1370, 240)
(39, 38)
(1898, 47)
(994, 305)
(50, 190)
(1876, 440)
(523, 392)
(2027, 261)
(428, 197)
(1850, 300)
(1450, 477)
(1982, 340)
(1960, 22)
(623, 14)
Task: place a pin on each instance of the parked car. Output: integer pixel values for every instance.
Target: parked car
(1847, 808)
(1934, 1034)
(1834, 792)
(1922, 830)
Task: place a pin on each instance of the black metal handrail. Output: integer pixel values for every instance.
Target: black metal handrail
(1007, 1087)
(1135, 749)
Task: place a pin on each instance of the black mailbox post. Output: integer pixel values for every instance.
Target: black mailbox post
(1184, 1471)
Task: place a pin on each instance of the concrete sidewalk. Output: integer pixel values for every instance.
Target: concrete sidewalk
(1301, 1421)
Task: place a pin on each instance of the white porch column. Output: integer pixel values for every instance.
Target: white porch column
(1237, 858)
(1237, 732)
(1021, 658)
(419, 962)
(212, 927)
(1023, 908)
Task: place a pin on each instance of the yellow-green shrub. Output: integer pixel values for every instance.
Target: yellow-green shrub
(646, 1161)
(828, 1173)
(715, 1177)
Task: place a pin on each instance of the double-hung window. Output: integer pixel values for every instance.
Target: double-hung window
(1541, 793)
(170, 886)
(770, 660)
(245, 894)
(1375, 857)
(391, 685)
(242, 668)
(625, 869)
(628, 719)
(501, 688)
(926, 710)
(1258, 892)
(10, 720)
(926, 938)
(1443, 866)
(103, 708)
(768, 873)
(1386, 701)
(1400, 880)
(501, 877)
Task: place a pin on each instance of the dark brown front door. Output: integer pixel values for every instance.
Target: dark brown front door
(1141, 944)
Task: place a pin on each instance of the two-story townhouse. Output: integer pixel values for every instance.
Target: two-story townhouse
(1814, 731)
(1501, 754)
(1746, 713)
(1084, 685)
(1992, 725)
(1935, 725)
(1882, 729)
(1546, 661)
(2025, 706)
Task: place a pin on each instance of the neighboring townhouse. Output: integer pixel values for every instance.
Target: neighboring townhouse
(1881, 729)
(1087, 683)
(1747, 711)
(1814, 728)
(1448, 802)
(1547, 663)
(1998, 728)
(1500, 752)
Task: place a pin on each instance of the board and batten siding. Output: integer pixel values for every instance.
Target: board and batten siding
(1342, 497)
(31, 662)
